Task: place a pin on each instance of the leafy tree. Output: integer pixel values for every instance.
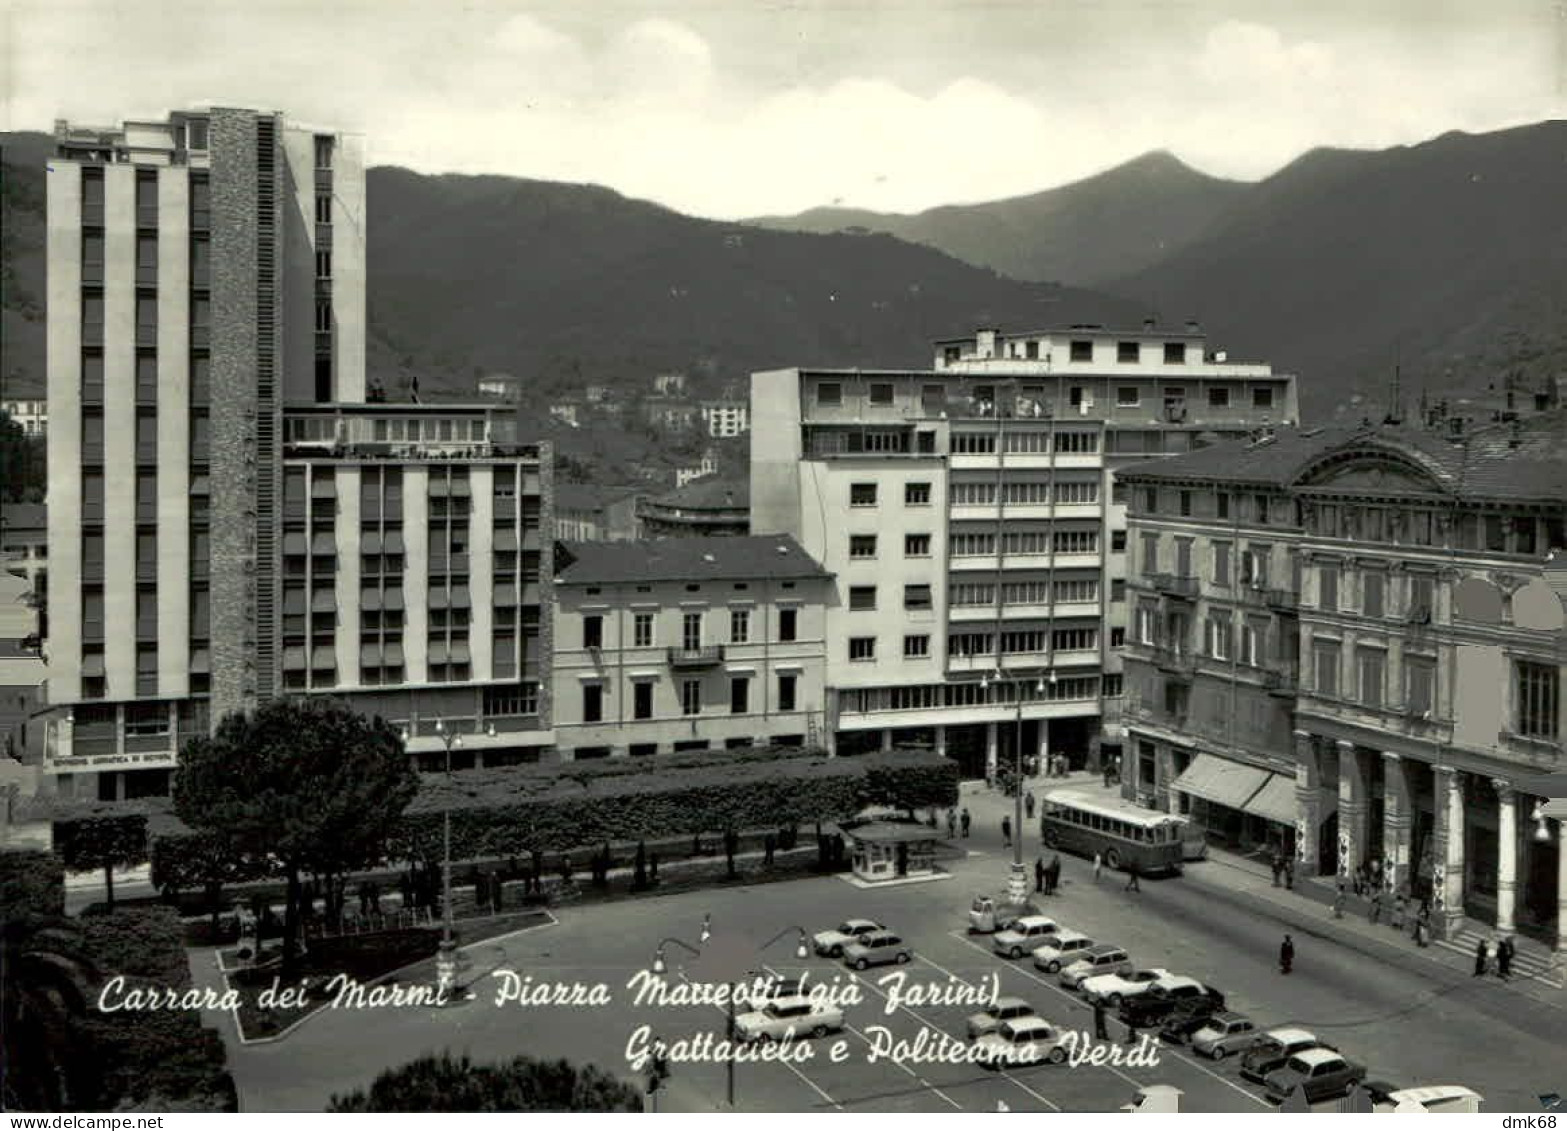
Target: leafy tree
(103, 842)
(310, 782)
(45, 989)
(448, 1083)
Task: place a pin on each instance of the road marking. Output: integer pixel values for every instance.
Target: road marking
(809, 1082)
(924, 1082)
(1028, 973)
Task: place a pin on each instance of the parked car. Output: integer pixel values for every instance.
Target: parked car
(1165, 997)
(1440, 1098)
(831, 943)
(788, 1018)
(1096, 961)
(1320, 1072)
(1024, 1041)
(1224, 1033)
(986, 916)
(1112, 989)
(1184, 1024)
(877, 949)
(1276, 1047)
(989, 1019)
(1024, 935)
(1061, 948)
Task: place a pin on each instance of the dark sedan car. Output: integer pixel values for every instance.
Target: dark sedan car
(1166, 997)
(1180, 1026)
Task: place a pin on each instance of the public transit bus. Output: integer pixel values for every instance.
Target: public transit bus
(1121, 833)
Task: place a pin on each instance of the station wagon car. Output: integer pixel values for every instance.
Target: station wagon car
(1024, 935)
(1097, 960)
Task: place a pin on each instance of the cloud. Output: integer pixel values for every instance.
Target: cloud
(741, 110)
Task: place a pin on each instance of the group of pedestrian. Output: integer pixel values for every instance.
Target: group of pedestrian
(1047, 877)
(1283, 869)
(1501, 950)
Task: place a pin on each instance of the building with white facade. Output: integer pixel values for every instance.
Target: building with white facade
(971, 520)
(726, 418)
(31, 414)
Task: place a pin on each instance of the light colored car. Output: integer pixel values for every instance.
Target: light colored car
(1101, 958)
(1112, 989)
(788, 1018)
(989, 1019)
(1276, 1047)
(1321, 1074)
(1027, 1040)
(831, 943)
(1224, 1033)
(1063, 947)
(1024, 935)
(878, 948)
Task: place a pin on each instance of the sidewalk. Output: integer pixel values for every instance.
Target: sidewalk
(1537, 972)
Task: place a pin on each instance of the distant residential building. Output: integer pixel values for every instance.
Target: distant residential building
(669, 413)
(726, 418)
(32, 415)
(499, 387)
(590, 513)
(709, 506)
(974, 525)
(1346, 643)
(669, 384)
(567, 411)
(596, 394)
(687, 644)
(707, 467)
(24, 540)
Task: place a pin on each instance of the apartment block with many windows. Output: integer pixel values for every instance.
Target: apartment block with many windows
(1346, 643)
(971, 518)
(688, 644)
(206, 380)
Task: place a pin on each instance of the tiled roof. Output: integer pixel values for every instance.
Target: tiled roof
(711, 492)
(1526, 460)
(684, 559)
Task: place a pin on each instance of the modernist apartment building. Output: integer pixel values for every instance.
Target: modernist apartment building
(228, 520)
(688, 644)
(707, 507)
(972, 522)
(1348, 641)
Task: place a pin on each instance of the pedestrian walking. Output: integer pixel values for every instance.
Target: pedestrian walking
(1131, 878)
(1374, 913)
(1398, 912)
(1504, 959)
(1053, 874)
(966, 820)
(1278, 868)
(1028, 804)
(1286, 955)
(1423, 928)
(1039, 874)
(1289, 874)
(1101, 1031)
(1099, 862)
(952, 823)
(1109, 768)
(1338, 901)
(1482, 958)
(1006, 832)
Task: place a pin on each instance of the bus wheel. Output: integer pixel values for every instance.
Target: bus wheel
(1112, 859)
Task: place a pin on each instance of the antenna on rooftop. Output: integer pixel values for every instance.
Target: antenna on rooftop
(1395, 403)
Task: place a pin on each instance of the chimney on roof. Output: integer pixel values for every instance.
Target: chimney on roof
(1193, 326)
(1150, 323)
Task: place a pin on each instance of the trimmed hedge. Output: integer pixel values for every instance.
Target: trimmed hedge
(579, 806)
(31, 883)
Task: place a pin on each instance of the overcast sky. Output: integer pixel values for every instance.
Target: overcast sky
(731, 108)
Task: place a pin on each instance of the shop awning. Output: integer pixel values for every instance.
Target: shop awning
(460, 653)
(505, 595)
(461, 598)
(392, 657)
(323, 658)
(370, 542)
(294, 542)
(1221, 781)
(293, 659)
(394, 600)
(394, 542)
(294, 601)
(323, 543)
(1275, 801)
(439, 599)
(323, 601)
(370, 600)
(370, 655)
(506, 538)
(200, 662)
(437, 652)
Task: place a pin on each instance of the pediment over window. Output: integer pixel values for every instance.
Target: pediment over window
(1371, 473)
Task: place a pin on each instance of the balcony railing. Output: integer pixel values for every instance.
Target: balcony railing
(1284, 683)
(1175, 661)
(1538, 751)
(1179, 585)
(1285, 600)
(707, 656)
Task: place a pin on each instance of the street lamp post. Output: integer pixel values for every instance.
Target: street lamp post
(446, 957)
(1017, 877)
